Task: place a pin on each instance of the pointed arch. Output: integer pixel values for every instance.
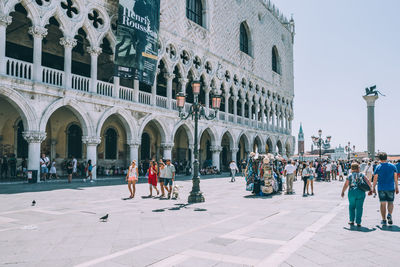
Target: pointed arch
(187, 127)
(28, 115)
(77, 110)
(246, 140)
(126, 119)
(212, 134)
(232, 142)
(160, 127)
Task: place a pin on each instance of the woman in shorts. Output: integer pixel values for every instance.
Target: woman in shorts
(132, 178)
(161, 176)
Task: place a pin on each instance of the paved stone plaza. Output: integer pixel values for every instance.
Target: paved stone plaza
(232, 228)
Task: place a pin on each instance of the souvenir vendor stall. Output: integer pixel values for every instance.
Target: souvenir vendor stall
(261, 176)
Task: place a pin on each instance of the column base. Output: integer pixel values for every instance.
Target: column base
(196, 197)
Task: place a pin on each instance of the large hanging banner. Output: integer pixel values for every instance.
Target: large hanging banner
(137, 35)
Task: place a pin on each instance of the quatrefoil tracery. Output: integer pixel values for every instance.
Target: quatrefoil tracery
(70, 8)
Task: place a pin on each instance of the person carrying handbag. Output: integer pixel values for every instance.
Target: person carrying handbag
(356, 182)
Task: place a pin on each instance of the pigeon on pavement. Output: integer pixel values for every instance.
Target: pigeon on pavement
(33, 203)
(104, 218)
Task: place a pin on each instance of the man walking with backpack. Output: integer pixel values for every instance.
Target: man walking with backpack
(386, 176)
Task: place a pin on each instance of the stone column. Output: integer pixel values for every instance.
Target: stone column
(94, 54)
(167, 149)
(234, 152)
(34, 140)
(169, 77)
(242, 102)
(154, 89)
(216, 151)
(91, 151)
(4, 22)
(370, 99)
(207, 98)
(133, 152)
(272, 119)
(116, 87)
(235, 100)
(227, 106)
(38, 34)
(135, 90)
(250, 110)
(68, 43)
(183, 82)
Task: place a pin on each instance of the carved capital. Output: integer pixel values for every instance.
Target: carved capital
(133, 144)
(235, 150)
(38, 31)
(216, 149)
(167, 146)
(34, 137)
(91, 140)
(68, 42)
(183, 80)
(94, 50)
(5, 20)
(169, 76)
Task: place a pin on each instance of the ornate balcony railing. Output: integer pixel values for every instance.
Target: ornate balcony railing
(52, 76)
(104, 88)
(18, 68)
(80, 83)
(24, 70)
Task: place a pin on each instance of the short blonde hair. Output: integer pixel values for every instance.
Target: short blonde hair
(355, 166)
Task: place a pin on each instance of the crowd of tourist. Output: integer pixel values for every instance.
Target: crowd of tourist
(268, 174)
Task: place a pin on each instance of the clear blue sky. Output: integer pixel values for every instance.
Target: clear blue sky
(341, 47)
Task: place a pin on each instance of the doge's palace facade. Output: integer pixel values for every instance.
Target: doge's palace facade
(58, 94)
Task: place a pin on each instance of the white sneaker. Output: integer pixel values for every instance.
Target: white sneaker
(84, 180)
(91, 181)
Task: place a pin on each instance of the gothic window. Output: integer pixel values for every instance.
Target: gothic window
(194, 11)
(111, 144)
(22, 145)
(244, 39)
(275, 61)
(74, 137)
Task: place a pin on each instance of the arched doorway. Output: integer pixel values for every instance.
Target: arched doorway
(226, 156)
(22, 145)
(64, 131)
(152, 137)
(11, 129)
(243, 145)
(113, 149)
(288, 149)
(268, 146)
(74, 141)
(181, 153)
(279, 147)
(205, 154)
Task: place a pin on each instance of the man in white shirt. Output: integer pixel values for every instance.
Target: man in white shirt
(233, 167)
(328, 169)
(44, 166)
(289, 173)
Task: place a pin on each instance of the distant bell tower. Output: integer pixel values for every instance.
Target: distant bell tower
(300, 141)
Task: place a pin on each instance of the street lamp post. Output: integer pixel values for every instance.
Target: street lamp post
(349, 150)
(197, 111)
(321, 142)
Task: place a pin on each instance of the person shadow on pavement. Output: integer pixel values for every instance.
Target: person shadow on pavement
(359, 229)
(390, 228)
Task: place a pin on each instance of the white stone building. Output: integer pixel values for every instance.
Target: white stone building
(57, 89)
